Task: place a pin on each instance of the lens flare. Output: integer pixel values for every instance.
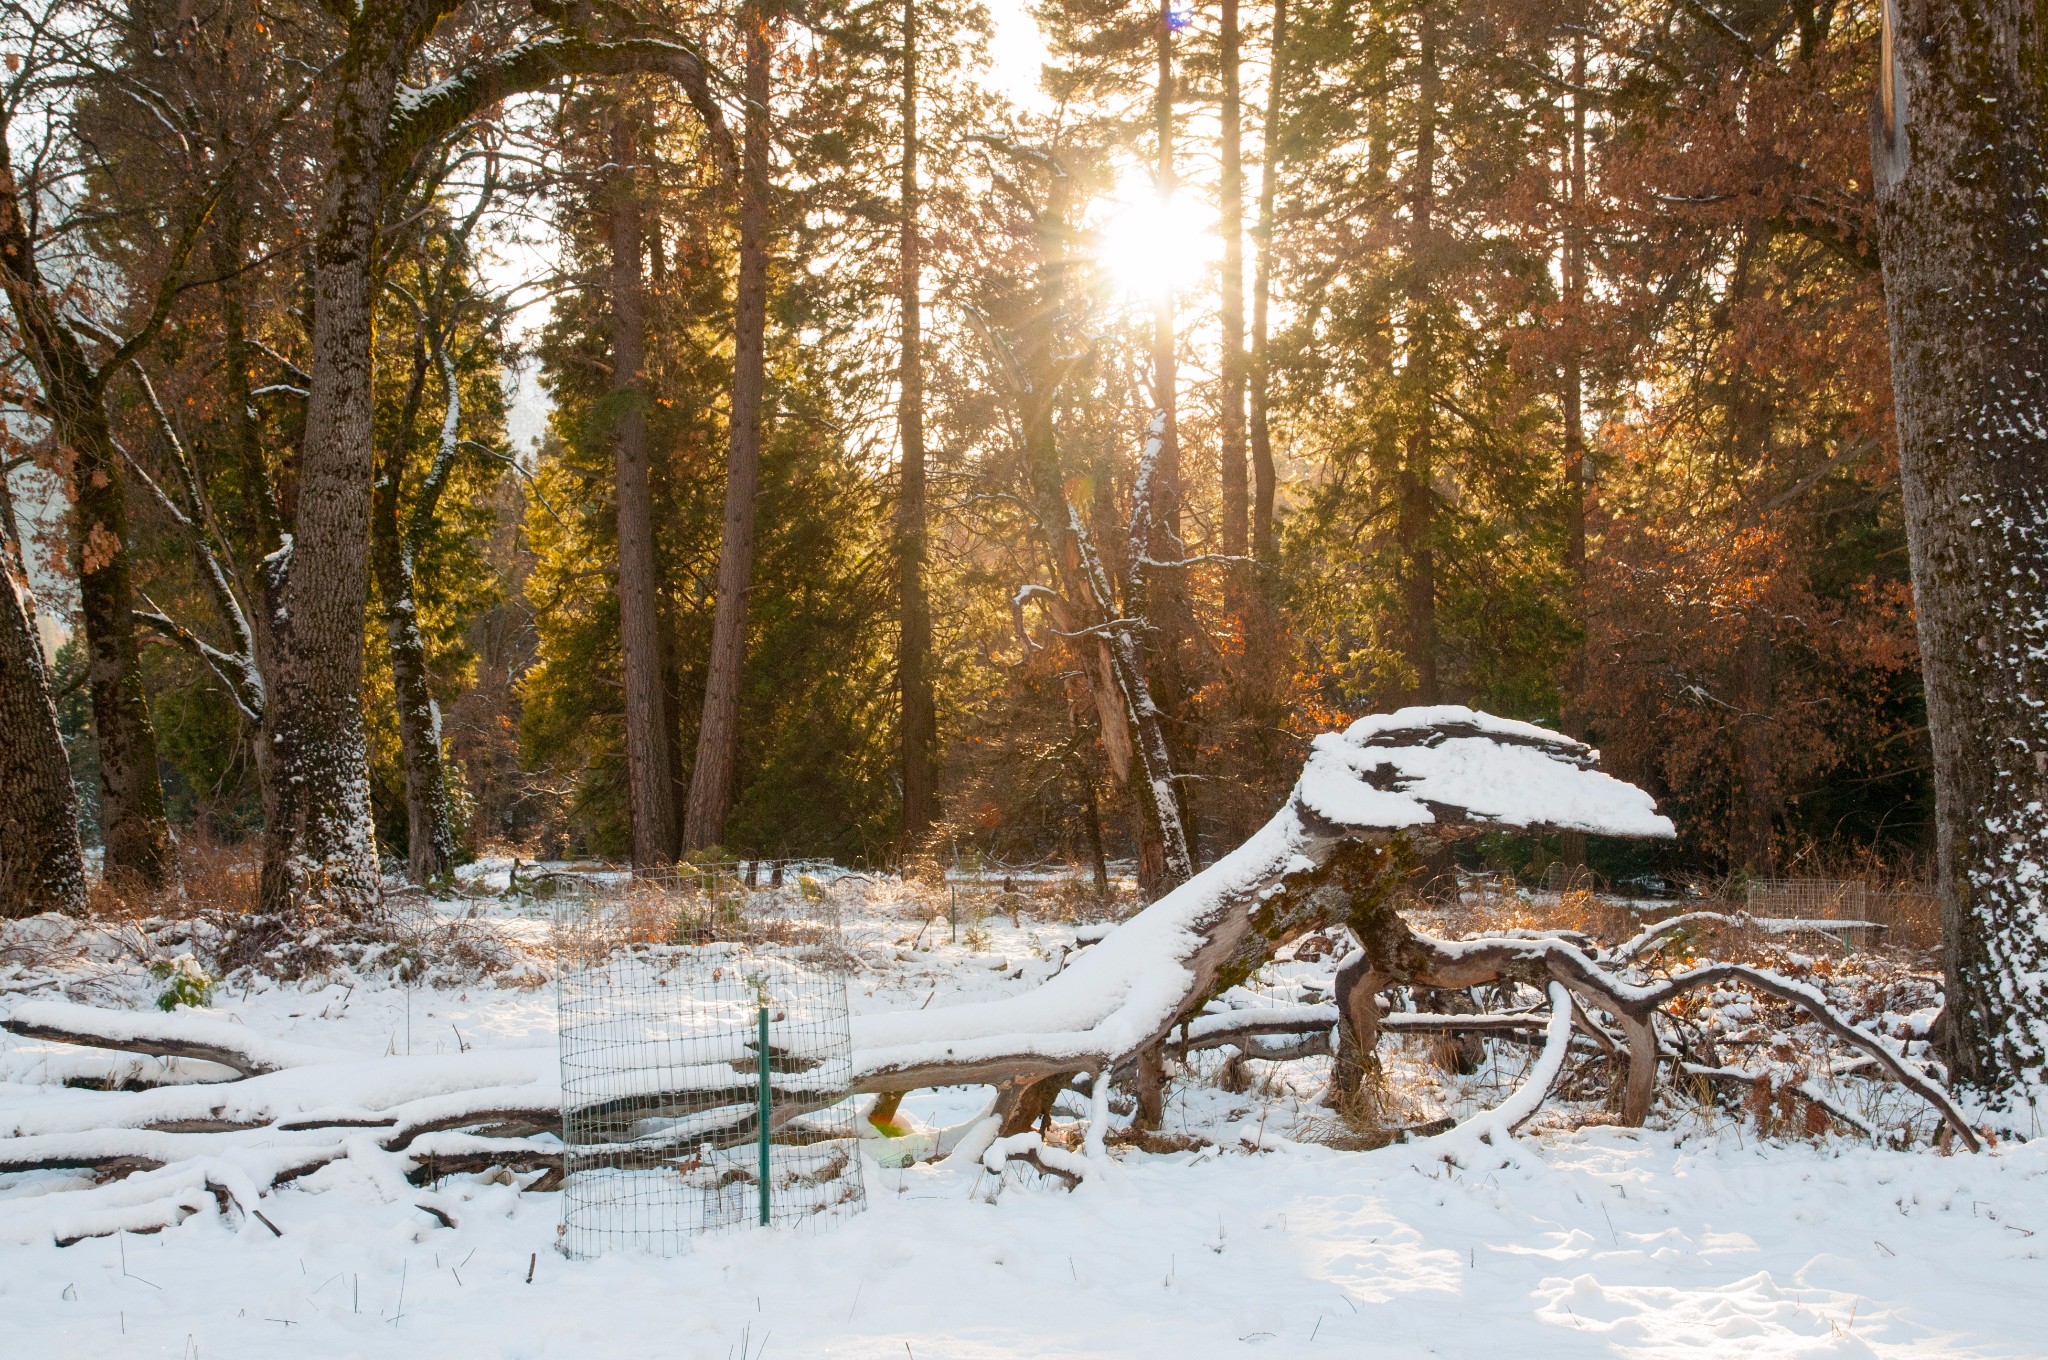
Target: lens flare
(1150, 247)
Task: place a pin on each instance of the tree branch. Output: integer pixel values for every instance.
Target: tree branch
(428, 116)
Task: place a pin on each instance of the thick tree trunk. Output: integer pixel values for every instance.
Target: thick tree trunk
(718, 737)
(1417, 509)
(918, 717)
(328, 844)
(650, 785)
(261, 524)
(137, 834)
(41, 865)
(1960, 182)
(324, 844)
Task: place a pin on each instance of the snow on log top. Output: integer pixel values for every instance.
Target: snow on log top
(1452, 766)
(1442, 766)
(183, 1034)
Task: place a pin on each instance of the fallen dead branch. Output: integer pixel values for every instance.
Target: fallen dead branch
(1393, 954)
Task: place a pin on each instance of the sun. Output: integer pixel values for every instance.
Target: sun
(1151, 247)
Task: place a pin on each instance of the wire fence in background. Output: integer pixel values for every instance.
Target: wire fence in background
(705, 1061)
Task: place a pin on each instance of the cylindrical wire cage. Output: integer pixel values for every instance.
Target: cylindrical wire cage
(667, 989)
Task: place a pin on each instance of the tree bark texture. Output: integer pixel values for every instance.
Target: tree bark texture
(917, 706)
(718, 737)
(328, 843)
(41, 865)
(650, 786)
(1960, 183)
(132, 820)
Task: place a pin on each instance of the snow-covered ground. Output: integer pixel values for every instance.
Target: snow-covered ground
(1694, 1237)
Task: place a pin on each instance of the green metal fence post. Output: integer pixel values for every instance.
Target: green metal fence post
(762, 1066)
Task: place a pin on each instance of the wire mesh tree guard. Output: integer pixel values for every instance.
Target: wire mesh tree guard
(705, 1060)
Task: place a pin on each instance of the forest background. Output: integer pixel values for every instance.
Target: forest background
(1526, 354)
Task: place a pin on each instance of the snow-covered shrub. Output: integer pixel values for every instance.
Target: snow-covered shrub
(185, 983)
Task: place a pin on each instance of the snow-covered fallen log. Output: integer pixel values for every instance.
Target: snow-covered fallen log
(159, 1035)
(1420, 771)
(1223, 1028)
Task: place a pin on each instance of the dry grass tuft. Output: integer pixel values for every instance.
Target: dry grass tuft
(213, 878)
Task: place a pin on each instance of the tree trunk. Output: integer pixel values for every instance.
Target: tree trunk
(919, 721)
(1259, 373)
(1092, 808)
(1230, 186)
(650, 786)
(1165, 374)
(430, 840)
(325, 843)
(1264, 657)
(1572, 713)
(137, 834)
(1154, 783)
(1167, 606)
(1417, 509)
(132, 820)
(328, 844)
(718, 737)
(41, 865)
(1957, 143)
(1752, 842)
(430, 837)
(260, 524)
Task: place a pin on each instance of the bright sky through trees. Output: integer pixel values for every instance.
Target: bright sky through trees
(1149, 246)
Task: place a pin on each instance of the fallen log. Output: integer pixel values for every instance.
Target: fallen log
(1238, 1027)
(160, 1035)
(1427, 771)
(1394, 954)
